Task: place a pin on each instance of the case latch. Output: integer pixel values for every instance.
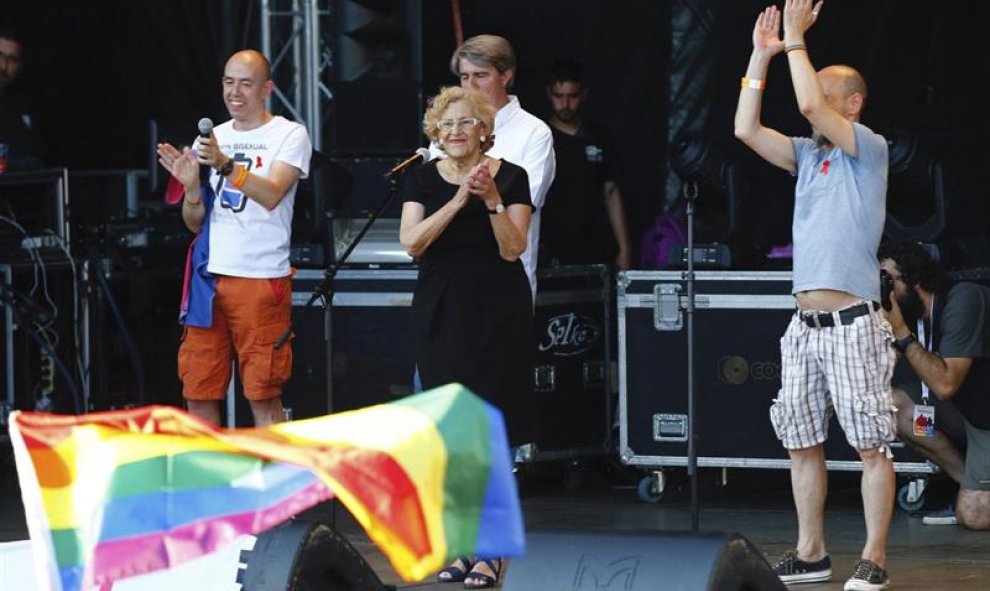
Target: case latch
(670, 427)
(667, 313)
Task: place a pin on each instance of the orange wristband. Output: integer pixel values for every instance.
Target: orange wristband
(242, 175)
(753, 83)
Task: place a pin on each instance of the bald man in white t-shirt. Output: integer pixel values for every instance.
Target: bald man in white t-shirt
(239, 293)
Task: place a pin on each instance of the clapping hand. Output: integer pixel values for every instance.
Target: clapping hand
(479, 180)
(181, 165)
(799, 16)
(209, 153)
(766, 33)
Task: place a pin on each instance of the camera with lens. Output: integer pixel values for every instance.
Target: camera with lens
(886, 286)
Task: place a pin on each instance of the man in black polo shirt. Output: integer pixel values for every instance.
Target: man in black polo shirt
(584, 221)
(947, 418)
(17, 125)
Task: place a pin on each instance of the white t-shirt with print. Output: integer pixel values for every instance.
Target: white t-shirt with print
(247, 240)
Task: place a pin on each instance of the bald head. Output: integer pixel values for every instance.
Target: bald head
(253, 59)
(845, 90)
(850, 80)
(247, 84)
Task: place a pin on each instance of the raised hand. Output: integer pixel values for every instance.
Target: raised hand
(766, 33)
(799, 16)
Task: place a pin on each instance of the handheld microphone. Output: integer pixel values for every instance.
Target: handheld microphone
(205, 127)
(421, 155)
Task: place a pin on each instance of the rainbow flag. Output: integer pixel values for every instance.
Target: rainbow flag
(116, 494)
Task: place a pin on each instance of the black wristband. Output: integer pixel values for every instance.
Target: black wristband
(227, 168)
(903, 344)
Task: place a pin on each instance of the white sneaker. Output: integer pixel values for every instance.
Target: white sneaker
(867, 577)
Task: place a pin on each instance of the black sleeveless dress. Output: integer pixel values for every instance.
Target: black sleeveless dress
(473, 310)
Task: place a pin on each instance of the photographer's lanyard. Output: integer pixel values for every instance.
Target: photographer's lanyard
(924, 413)
(927, 344)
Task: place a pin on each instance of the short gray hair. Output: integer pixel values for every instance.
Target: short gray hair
(485, 50)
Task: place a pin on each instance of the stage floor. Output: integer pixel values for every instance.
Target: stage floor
(753, 503)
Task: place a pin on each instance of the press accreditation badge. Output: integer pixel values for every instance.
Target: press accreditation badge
(924, 420)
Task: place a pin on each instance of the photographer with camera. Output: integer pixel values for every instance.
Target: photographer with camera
(946, 417)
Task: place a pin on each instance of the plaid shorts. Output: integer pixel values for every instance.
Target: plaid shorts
(842, 367)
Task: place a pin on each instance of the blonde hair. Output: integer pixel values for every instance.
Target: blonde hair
(480, 108)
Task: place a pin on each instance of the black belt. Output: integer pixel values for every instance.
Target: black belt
(846, 316)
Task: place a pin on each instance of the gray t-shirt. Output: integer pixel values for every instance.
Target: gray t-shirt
(965, 332)
(839, 213)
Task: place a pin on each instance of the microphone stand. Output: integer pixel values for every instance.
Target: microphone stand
(690, 195)
(325, 288)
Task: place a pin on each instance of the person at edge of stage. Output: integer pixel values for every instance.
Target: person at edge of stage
(836, 351)
(19, 135)
(950, 353)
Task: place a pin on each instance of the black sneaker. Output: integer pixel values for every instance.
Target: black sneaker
(943, 516)
(867, 577)
(792, 569)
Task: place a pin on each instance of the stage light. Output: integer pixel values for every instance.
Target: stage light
(377, 77)
(713, 183)
(916, 189)
(697, 159)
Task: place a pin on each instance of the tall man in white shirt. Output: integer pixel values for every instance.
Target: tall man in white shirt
(487, 63)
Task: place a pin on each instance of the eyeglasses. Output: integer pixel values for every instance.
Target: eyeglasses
(466, 123)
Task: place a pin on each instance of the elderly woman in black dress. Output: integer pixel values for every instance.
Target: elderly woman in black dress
(466, 218)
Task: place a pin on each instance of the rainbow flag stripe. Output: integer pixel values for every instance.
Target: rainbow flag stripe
(115, 494)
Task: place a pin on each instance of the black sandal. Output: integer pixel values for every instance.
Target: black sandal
(455, 573)
(486, 581)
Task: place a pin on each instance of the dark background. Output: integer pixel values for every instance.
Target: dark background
(659, 70)
(101, 69)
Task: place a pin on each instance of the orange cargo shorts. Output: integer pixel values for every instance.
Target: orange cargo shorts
(249, 316)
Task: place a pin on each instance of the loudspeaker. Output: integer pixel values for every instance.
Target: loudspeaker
(305, 556)
(572, 351)
(640, 561)
(377, 85)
